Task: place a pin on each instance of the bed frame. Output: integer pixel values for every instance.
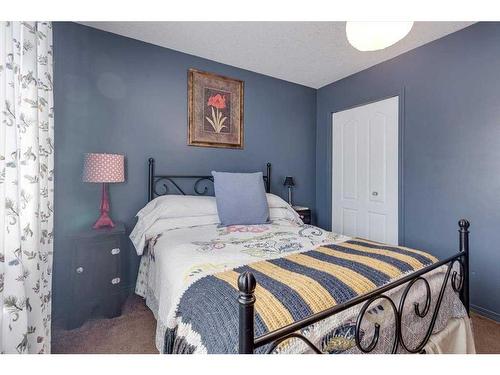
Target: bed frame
(248, 343)
(199, 186)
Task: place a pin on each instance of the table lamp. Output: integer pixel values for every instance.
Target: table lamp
(104, 169)
(289, 183)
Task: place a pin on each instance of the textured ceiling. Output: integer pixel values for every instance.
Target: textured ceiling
(313, 54)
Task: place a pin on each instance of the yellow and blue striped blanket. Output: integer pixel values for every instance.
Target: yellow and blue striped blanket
(288, 289)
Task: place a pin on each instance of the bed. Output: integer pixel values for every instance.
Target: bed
(286, 287)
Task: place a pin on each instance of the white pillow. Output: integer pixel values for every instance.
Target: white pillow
(273, 201)
(194, 205)
(288, 213)
(180, 205)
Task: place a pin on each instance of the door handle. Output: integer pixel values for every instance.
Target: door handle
(374, 193)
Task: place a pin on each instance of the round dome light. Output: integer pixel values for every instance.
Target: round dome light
(373, 36)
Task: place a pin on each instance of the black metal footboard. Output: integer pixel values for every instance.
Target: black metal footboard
(248, 343)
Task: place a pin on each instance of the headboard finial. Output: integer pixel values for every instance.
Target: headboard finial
(464, 224)
(268, 179)
(151, 172)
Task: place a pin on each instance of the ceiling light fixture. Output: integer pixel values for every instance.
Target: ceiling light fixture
(373, 36)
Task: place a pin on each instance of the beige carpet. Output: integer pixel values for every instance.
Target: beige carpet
(134, 332)
(486, 335)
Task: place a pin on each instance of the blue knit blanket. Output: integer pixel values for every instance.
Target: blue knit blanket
(289, 289)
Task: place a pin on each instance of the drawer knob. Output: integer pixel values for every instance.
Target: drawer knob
(115, 281)
(79, 270)
(115, 251)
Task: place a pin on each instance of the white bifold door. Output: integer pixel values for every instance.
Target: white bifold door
(365, 171)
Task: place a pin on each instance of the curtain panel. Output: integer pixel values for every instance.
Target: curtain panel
(26, 186)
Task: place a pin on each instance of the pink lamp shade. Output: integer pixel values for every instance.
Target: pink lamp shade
(104, 168)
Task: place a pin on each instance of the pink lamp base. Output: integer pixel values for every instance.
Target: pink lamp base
(104, 220)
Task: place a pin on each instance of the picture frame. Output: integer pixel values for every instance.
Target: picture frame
(215, 110)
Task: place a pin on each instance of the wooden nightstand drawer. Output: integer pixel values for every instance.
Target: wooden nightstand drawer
(306, 218)
(96, 274)
(304, 213)
(96, 259)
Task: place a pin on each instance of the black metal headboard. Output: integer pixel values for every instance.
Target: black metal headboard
(154, 180)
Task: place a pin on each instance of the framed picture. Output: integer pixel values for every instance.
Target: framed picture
(215, 107)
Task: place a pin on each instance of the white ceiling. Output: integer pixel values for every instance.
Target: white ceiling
(313, 54)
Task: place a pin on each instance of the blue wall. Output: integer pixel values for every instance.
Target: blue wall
(450, 146)
(115, 94)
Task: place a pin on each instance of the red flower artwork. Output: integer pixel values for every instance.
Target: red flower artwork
(218, 101)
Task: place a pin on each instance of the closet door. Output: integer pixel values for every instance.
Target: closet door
(365, 171)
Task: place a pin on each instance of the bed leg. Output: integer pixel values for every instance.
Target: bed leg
(246, 301)
(464, 248)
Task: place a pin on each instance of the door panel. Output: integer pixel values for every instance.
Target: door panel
(365, 171)
(377, 227)
(377, 162)
(349, 160)
(349, 221)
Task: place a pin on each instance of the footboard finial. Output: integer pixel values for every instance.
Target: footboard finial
(246, 300)
(464, 225)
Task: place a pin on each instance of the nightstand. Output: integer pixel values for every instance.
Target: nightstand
(96, 274)
(304, 213)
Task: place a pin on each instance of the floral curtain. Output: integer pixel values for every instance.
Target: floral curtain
(26, 186)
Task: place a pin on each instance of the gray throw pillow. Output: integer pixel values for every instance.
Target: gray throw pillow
(241, 198)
